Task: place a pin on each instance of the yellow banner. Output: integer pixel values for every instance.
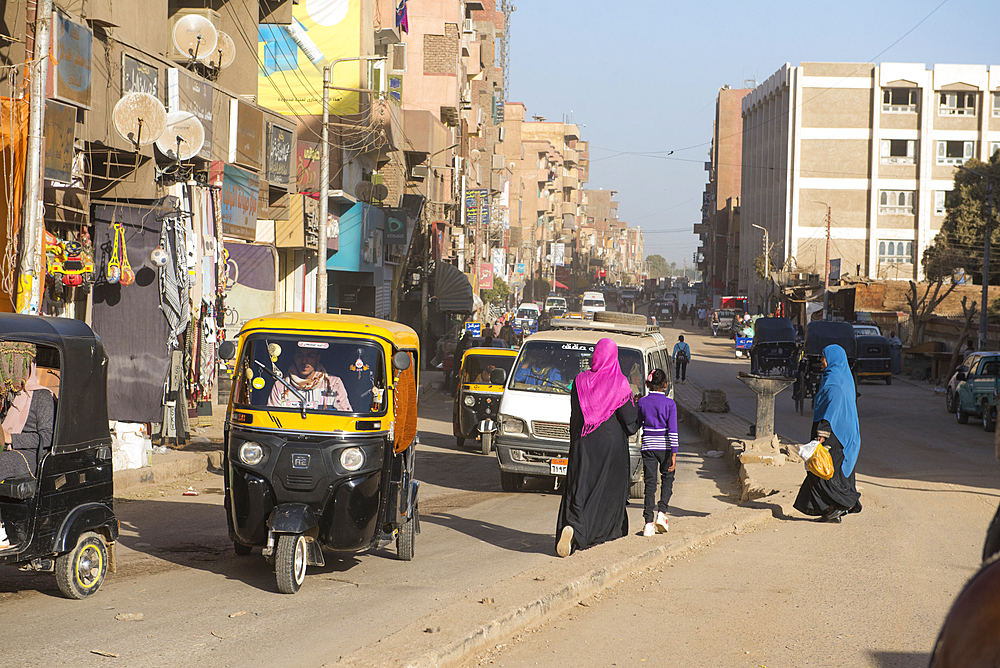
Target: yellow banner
(293, 56)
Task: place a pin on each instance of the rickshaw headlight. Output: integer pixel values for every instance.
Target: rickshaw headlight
(469, 400)
(251, 453)
(352, 458)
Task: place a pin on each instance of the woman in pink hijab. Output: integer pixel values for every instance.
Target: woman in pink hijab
(29, 419)
(602, 417)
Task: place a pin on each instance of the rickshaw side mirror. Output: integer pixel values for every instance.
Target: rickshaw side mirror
(498, 377)
(401, 361)
(227, 350)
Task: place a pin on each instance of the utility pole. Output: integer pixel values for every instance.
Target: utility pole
(30, 283)
(767, 269)
(826, 266)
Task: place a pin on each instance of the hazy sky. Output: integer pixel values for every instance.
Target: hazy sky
(643, 77)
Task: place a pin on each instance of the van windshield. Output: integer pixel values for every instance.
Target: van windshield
(593, 302)
(331, 375)
(552, 366)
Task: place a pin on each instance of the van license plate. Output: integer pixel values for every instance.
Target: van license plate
(558, 466)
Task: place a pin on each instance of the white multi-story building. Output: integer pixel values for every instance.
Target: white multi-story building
(865, 151)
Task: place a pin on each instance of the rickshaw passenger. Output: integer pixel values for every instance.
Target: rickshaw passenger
(30, 417)
(307, 375)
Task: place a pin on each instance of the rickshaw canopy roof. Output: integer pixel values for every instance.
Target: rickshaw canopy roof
(395, 333)
(773, 329)
(822, 333)
(82, 404)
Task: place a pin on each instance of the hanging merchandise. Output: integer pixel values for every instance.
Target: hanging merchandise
(119, 270)
(158, 256)
(70, 263)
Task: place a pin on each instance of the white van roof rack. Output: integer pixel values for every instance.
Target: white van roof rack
(577, 323)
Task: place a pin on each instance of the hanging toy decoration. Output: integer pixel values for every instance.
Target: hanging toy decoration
(128, 276)
(359, 365)
(114, 271)
(158, 257)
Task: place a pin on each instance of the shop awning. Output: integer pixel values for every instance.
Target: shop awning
(560, 285)
(453, 290)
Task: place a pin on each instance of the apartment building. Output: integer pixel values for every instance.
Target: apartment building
(720, 241)
(861, 155)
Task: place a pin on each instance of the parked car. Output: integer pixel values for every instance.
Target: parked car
(866, 330)
(975, 392)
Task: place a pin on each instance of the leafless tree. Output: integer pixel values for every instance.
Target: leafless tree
(969, 313)
(922, 305)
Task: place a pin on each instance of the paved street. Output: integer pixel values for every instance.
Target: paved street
(871, 591)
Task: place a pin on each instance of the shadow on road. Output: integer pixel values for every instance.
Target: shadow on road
(901, 659)
(496, 534)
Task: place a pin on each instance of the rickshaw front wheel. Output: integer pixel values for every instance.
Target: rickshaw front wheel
(406, 539)
(487, 442)
(81, 571)
(290, 562)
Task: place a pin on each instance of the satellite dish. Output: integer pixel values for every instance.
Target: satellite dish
(364, 191)
(139, 118)
(224, 53)
(183, 136)
(380, 192)
(195, 36)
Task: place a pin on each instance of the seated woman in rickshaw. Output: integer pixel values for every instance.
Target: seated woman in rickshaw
(319, 388)
(29, 419)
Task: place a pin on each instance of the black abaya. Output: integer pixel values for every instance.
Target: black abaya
(597, 478)
(817, 496)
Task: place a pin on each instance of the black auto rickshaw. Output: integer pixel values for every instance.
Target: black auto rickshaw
(61, 518)
(774, 351)
(480, 387)
(874, 359)
(320, 439)
(664, 312)
(819, 335)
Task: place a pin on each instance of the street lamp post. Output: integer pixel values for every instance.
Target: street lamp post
(826, 268)
(986, 255)
(324, 185)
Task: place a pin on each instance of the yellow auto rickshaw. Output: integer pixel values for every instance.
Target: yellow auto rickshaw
(480, 386)
(320, 439)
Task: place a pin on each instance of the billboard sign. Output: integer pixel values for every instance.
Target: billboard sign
(485, 276)
(240, 198)
(292, 58)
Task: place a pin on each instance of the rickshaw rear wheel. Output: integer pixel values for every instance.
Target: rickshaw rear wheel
(487, 442)
(81, 571)
(460, 441)
(290, 562)
(888, 380)
(242, 550)
(406, 540)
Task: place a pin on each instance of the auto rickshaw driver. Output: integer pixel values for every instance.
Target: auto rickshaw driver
(318, 388)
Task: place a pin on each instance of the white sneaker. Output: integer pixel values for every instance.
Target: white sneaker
(649, 530)
(662, 524)
(565, 544)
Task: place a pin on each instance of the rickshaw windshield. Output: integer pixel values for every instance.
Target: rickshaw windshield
(551, 366)
(478, 369)
(328, 374)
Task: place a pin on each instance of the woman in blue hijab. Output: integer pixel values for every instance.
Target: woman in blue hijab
(835, 424)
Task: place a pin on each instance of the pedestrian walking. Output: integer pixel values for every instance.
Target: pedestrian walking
(602, 417)
(682, 355)
(693, 312)
(658, 419)
(835, 425)
(702, 317)
(896, 350)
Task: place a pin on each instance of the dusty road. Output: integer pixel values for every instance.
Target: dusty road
(871, 591)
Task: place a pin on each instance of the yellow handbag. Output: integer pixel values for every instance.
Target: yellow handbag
(821, 463)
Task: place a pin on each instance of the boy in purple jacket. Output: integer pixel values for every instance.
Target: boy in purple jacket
(658, 419)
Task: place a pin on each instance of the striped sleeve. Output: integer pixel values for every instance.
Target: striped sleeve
(672, 426)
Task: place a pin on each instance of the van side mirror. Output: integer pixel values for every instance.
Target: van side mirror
(227, 350)
(401, 361)
(498, 377)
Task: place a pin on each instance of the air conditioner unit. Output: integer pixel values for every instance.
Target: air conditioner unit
(419, 171)
(181, 56)
(468, 26)
(498, 161)
(399, 58)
